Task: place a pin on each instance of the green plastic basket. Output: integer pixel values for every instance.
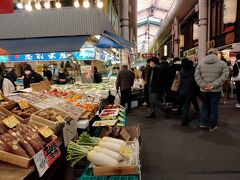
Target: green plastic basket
(88, 175)
(123, 178)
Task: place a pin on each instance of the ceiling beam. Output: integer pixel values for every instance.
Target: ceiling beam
(151, 9)
(149, 22)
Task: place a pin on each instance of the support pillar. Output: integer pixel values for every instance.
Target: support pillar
(203, 21)
(124, 20)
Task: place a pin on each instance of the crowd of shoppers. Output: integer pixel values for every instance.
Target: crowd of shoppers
(206, 82)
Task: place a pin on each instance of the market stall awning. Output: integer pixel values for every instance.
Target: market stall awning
(105, 42)
(110, 40)
(41, 45)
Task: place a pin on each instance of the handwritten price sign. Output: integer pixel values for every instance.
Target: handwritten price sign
(46, 157)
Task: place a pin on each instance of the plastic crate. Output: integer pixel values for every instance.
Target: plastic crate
(88, 175)
(123, 178)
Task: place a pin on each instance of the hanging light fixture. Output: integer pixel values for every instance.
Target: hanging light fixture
(38, 5)
(76, 4)
(47, 4)
(86, 4)
(19, 5)
(99, 4)
(28, 6)
(58, 4)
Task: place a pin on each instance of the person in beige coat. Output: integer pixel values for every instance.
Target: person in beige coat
(210, 75)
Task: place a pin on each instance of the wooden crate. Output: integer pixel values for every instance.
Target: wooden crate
(19, 160)
(5, 99)
(51, 124)
(15, 159)
(120, 170)
(7, 110)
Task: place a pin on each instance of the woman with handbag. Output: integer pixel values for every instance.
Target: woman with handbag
(236, 78)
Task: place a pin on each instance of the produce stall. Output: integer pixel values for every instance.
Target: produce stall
(38, 134)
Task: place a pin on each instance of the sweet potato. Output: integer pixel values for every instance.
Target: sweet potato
(27, 147)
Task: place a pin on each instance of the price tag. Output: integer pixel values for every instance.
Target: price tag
(23, 104)
(60, 119)
(125, 135)
(1, 98)
(11, 122)
(46, 157)
(45, 131)
(70, 132)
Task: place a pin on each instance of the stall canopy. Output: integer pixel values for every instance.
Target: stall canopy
(41, 45)
(110, 40)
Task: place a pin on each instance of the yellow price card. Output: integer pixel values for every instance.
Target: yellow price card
(60, 119)
(11, 122)
(1, 98)
(23, 104)
(45, 131)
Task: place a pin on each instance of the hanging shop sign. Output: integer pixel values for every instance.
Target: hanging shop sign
(148, 55)
(230, 11)
(85, 54)
(190, 52)
(4, 59)
(195, 31)
(58, 56)
(46, 157)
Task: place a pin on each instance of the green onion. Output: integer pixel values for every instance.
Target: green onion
(87, 140)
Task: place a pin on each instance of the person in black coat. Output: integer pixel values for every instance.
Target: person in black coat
(235, 72)
(187, 88)
(30, 76)
(153, 79)
(47, 73)
(97, 77)
(166, 79)
(62, 78)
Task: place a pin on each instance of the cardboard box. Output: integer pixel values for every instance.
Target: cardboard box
(120, 170)
(51, 124)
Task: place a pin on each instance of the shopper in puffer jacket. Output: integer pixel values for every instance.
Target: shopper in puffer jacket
(210, 75)
(237, 83)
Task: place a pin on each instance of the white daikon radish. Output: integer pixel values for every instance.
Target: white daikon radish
(101, 159)
(109, 145)
(109, 152)
(114, 140)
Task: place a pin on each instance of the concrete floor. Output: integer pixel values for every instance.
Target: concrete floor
(172, 152)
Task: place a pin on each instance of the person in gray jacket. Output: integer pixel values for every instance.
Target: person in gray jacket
(210, 75)
(124, 82)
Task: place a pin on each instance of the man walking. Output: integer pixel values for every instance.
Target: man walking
(154, 86)
(236, 71)
(210, 75)
(146, 83)
(124, 82)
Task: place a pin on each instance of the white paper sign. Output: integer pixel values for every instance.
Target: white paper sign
(69, 132)
(41, 163)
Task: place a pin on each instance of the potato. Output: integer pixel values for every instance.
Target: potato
(44, 115)
(53, 118)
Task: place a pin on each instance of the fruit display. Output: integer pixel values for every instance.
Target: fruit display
(88, 106)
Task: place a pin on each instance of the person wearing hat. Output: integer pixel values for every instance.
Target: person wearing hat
(47, 73)
(154, 80)
(124, 82)
(30, 76)
(210, 75)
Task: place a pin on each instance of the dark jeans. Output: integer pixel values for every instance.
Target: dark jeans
(238, 91)
(167, 93)
(126, 98)
(210, 108)
(146, 94)
(195, 103)
(186, 104)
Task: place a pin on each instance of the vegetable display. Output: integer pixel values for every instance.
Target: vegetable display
(104, 151)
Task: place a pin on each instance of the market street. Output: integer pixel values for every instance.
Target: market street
(172, 152)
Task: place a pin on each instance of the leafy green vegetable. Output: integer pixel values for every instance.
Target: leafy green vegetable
(76, 152)
(87, 140)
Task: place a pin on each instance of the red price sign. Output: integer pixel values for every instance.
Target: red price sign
(46, 157)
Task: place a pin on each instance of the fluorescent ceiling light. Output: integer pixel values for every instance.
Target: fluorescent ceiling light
(100, 4)
(19, 5)
(76, 4)
(86, 4)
